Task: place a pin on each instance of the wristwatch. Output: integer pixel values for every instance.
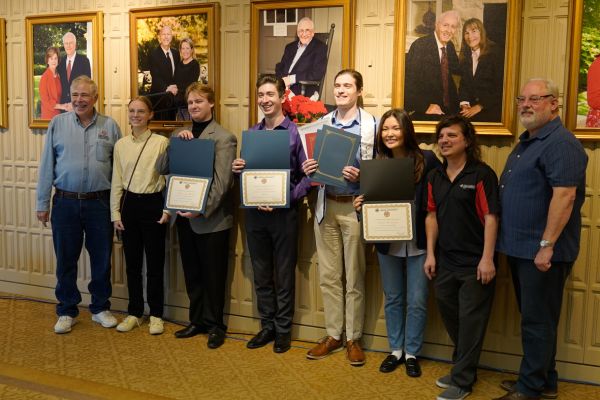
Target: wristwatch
(546, 243)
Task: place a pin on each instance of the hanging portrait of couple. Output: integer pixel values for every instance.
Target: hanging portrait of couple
(457, 56)
(59, 49)
(172, 47)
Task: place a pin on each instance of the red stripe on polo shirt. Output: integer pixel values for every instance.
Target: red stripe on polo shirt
(430, 201)
(481, 202)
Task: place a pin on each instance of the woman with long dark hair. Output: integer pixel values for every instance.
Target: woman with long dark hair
(401, 263)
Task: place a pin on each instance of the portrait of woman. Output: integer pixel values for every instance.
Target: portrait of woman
(401, 263)
(186, 73)
(593, 94)
(50, 88)
(482, 72)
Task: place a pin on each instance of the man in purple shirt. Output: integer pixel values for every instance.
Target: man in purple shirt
(272, 234)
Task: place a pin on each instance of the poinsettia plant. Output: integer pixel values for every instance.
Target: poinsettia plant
(301, 109)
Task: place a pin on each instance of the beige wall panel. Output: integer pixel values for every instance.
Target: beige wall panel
(8, 198)
(571, 328)
(533, 7)
(592, 354)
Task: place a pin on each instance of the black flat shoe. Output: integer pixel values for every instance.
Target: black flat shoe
(261, 339)
(413, 369)
(216, 338)
(390, 363)
(283, 342)
(190, 331)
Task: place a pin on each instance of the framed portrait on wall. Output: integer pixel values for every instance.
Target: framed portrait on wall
(457, 56)
(325, 31)
(172, 47)
(582, 108)
(59, 49)
(3, 81)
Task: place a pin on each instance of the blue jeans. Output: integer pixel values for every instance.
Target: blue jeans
(404, 278)
(539, 295)
(74, 221)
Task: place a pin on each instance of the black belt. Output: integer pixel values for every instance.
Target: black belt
(103, 194)
(142, 195)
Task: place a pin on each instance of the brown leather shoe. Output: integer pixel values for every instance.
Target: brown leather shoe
(516, 396)
(355, 353)
(325, 347)
(509, 386)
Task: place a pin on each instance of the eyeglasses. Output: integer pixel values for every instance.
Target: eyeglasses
(535, 100)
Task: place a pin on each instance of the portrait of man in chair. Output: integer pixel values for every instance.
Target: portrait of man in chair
(304, 59)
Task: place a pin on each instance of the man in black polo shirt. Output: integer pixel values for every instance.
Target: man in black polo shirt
(461, 225)
(542, 190)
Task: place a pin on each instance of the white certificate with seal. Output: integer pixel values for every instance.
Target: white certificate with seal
(265, 188)
(187, 193)
(387, 222)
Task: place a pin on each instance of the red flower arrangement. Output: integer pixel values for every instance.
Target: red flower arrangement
(302, 109)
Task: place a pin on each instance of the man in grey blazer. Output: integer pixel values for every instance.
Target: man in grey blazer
(204, 238)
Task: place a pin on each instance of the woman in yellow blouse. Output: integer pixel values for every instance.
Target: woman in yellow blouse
(136, 202)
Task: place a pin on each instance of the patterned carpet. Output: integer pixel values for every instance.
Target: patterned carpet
(92, 362)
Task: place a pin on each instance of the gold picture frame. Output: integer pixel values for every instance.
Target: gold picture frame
(43, 32)
(273, 26)
(582, 114)
(414, 23)
(3, 80)
(200, 23)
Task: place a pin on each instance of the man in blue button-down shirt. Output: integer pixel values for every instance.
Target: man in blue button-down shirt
(77, 161)
(542, 189)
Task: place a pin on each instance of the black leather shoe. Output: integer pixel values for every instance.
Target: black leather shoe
(216, 338)
(261, 339)
(190, 331)
(390, 363)
(283, 342)
(413, 369)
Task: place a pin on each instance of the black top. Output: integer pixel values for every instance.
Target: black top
(199, 127)
(185, 74)
(460, 208)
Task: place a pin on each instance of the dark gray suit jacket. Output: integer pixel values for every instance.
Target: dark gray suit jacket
(218, 212)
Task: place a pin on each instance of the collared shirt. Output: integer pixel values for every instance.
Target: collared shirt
(551, 158)
(353, 127)
(299, 182)
(475, 57)
(146, 178)
(461, 206)
(76, 158)
(299, 52)
(440, 45)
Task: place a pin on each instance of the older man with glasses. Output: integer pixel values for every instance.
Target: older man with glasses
(542, 190)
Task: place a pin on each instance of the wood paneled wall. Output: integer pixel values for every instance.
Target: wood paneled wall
(26, 254)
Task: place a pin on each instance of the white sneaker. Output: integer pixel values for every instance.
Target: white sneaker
(64, 324)
(105, 318)
(129, 323)
(156, 326)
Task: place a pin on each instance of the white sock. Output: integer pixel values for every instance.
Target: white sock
(336, 337)
(397, 353)
(410, 356)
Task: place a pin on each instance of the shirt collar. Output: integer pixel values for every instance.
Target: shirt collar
(285, 124)
(355, 121)
(142, 137)
(300, 45)
(544, 131)
(94, 117)
(439, 44)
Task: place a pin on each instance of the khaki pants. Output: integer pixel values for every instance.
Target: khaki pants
(340, 249)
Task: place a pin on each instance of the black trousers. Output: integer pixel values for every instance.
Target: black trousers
(465, 306)
(205, 261)
(143, 234)
(539, 295)
(273, 243)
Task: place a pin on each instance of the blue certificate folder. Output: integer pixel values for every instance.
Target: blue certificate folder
(391, 179)
(194, 157)
(266, 149)
(191, 158)
(334, 149)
